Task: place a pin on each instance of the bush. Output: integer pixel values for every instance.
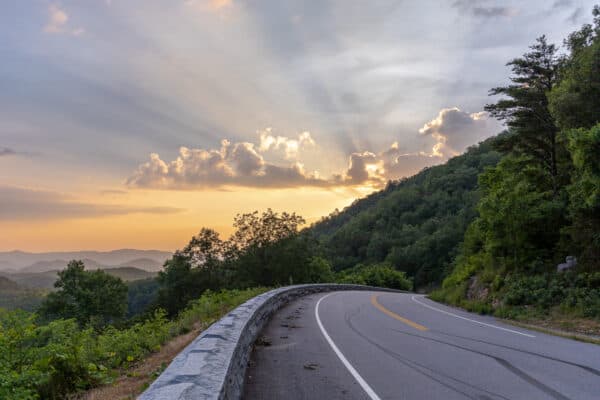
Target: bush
(49, 361)
(381, 275)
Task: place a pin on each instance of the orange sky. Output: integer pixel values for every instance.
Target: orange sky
(171, 231)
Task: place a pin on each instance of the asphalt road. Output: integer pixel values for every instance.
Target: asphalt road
(372, 345)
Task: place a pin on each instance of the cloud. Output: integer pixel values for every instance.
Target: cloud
(210, 5)
(234, 164)
(364, 168)
(58, 21)
(5, 151)
(290, 147)
(244, 163)
(454, 130)
(398, 163)
(481, 9)
(18, 203)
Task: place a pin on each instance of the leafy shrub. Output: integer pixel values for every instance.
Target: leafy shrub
(49, 361)
(382, 275)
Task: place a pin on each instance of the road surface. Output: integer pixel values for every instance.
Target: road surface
(377, 345)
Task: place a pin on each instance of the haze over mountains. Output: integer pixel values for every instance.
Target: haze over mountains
(19, 261)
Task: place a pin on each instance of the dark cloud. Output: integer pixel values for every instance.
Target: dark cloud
(562, 4)
(493, 11)
(28, 204)
(5, 151)
(454, 130)
(480, 8)
(575, 15)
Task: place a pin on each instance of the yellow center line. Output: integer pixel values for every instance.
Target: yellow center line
(394, 315)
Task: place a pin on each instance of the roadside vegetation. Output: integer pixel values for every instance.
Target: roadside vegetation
(50, 360)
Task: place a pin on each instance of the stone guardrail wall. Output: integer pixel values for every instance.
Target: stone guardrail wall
(213, 366)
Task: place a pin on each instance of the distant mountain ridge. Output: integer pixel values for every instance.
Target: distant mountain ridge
(149, 260)
(46, 279)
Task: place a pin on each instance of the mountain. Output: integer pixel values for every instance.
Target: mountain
(6, 285)
(146, 264)
(12, 295)
(33, 280)
(46, 279)
(44, 266)
(415, 224)
(40, 262)
(130, 273)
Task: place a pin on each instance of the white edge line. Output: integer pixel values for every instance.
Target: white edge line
(370, 392)
(472, 320)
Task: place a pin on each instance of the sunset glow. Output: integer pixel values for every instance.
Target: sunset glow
(136, 123)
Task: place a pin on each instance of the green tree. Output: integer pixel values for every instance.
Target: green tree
(515, 215)
(525, 110)
(259, 230)
(205, 250)
(199, 266)
(575, 100)
(380, 275)
(90, 297)
(584, 192)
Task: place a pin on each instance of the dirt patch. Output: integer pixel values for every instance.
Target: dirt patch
(136, 379)
(476, 290)
(586, 330)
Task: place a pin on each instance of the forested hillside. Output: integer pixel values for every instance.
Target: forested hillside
(541, 203)
(499, 232)
(415, 225)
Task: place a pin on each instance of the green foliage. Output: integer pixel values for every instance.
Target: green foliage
(49, 361)
(575, 100)
(180, 283)
(577, 293)
(381, 275)
(530, 217)
(291, 260)
(514, 214)
(91, 297)
(415, 225)
(524, 108)
(141, 296)
(584, 195)
(265, 250)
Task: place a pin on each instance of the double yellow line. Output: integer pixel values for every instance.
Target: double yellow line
(396, 316)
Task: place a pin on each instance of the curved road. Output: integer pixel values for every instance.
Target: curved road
(378, 345)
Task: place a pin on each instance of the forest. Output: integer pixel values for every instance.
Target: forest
(484, 231)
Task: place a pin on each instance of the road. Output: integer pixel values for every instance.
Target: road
(378, 345)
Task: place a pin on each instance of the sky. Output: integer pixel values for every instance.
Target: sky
(134, 123)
